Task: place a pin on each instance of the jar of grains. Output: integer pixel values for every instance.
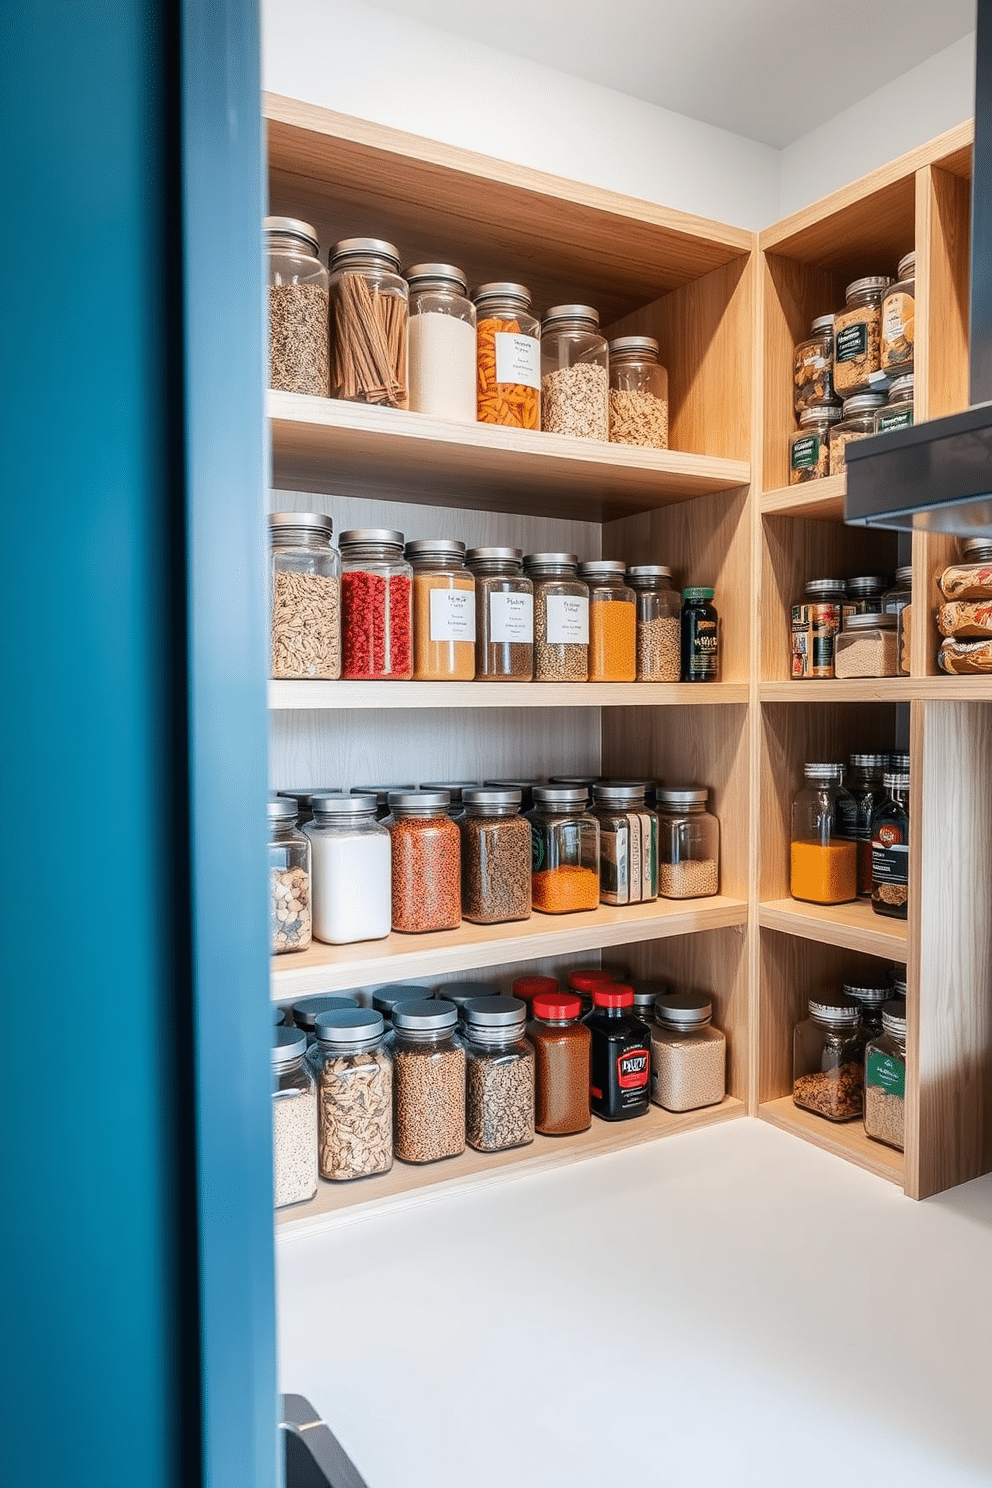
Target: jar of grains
(499, 1075)
(294, 1119)
(306, 597)
(867, 647)
(864, 784)
(575, 377)
(885, 1079)
(828, 1052)
(369, 312)
(289, 879)
(508, 349)
(376, 606)
(858, 422)
(813, 366)
(816, 623)
(564, 850)
(426, 862)
(809, 445)
(350, 857)
(561, 1064)
(898, 411)
(382, 794)
(688, 1055)
(443, 611)
(529, 987)
(495, 857)
(865, 593)
(688, 843)
(899, 319)
(455, 788)
(355, 1095)
(628, 844)
(872, 996)
(504, 615)
(700, 633)
(299, 359)
(442, 343)
(858, 335)
(561, 617)
(824, 853)
(890, 848)
(428, 1081)
(620, 1055)
(306, 1010)
(659, 646)
(638, 393)
(898, 601)
(612, 622)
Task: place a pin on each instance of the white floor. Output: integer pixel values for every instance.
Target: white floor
(720, 1310)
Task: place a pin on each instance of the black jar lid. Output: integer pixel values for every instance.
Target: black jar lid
(306, 1010)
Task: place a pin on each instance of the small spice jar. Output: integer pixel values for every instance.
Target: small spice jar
(885, 1079)
(381, 793)
(294, 1119)
(816, 623)
(426, 862)
(289, 879)
(865, 593)
(688, 1055)
(496, 857)
(813, 366)
(688, 843)
(561, 1047)
(899, 319)
(376, 606)
(890, 848)
(860, 412)
(299, 355)
(508, 352)
(306, 597)
(504, 615)
(355, 1095)
(823, 852)
(612, 622)
(499, 1075)
(564, 850)
(575, 377)
(305, 1011)
(628, 844)
(638, 393)
(443, 611)
(442, 343)
(867, 647)
(351, 865)
(898, 411)
(700, 636)
(659, 629)
(858, 335)
(561, 617)
(455, 788)
(369, 313)
(620, 1055)
(828, 1069)
(428, 1081)
(864, 785)
(809, 445)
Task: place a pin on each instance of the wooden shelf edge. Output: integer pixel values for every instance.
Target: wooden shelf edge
(846, 1140)
(342, 696)
(946, 689)
(820, 500)
(853, 926)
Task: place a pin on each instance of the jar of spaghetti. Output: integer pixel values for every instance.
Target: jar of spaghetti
(659, 627)
(824, 852)
(899, 319)
(575, 379)
(612, 622)
(426, 862)
(813, 366)
(858, 335)
(298, 341)
(561, 617)
(688, 843)
(508, 350)
(376, 606)
(504, 615)
(564, 850)
(369, 311)
(561, 1064)
(860, 413)
(443, 611)
(442, 343)
(638, 393)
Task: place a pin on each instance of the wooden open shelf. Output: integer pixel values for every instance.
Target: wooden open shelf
(347, 695)
(845, 1139)
(822, 500)
(854, 926)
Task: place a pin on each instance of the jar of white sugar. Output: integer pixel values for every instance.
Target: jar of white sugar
(442, 343)
(294, 1119)
(350, 853)
(688, 1055)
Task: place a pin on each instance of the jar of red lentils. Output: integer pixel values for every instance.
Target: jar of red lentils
(426, 854)
(376, 606)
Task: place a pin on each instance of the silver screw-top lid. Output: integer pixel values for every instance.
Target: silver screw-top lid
(350, 248)
(865, 585)
(286, 528)
(896, 780)
(561, 795)
(385, 999)
(306, 1010)
(646, 574)
(684, 1009)
(894, 1018)
(482, 796)
(863, 403)
(901, 388)
(633, 345)
(587, 780)
(898, 761)
(978, 549)
(904, 576)
(288, 1044)
(436, 275)
(602, 568)
(381, 792)
(899, 985)
(419, 802)
(681, 796)
(826, 588)
(462, 992)
(292, 227)
(426, 1015)
(869, 761)
(647, 992)
(825, 413)
(559, 315)
(495, 1012)
(835, 1007)
(872, 620)
(907, 265)
(820, 770)
(612, 793)
(871, 994)
(282, 810)
(501, 289)
(305, 797)
(822, 323)
(361, 537)
(869, 282)
(551, 560)
(494, 555)
(326, 808)
(435, 547)
(349, 1026)
(525, 787)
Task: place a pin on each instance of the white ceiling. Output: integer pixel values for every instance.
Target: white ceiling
(770, 70)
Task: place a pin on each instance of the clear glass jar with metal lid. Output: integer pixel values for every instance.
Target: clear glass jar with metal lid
(369, 313)
(575, 375)
(688, 843)
(890, 848)
(442, 343)
(688, 1055)
(646, 996)
(872, 996)
(813, 366)
(809, 445)
(823, 854)
(564, 850)
(504, 615)
(387, 999)
(867, 646)
(561, 1062)
(525, 787)
(294, 1119)
(508, 357)
(289, 879)
(898, 601)
(898, 411)
(628, 844)
(456, 806)
(860, 412)
(499, 1075)
(885, 1078)
(304, 796)
(376, 606)
(496, 855)
(858, 335)
(299, 354)
(899, 983)
(899, 319)
(561, 617)
(612, 622)
(659, 631)
(428, 1081)
(306, 597)
(865, 592)
(381, 793)
(305, 1010)
(864, 784)
(351, 866)
(816, 623)
(426, 857)
(828, 1053)
(354, 1072)
(443, 611)
(638, 393)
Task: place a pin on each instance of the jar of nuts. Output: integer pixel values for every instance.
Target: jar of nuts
(828, 1070)
(809, 446)
(289, 879)
(813, 366)
(575, 380)
(354, 1094)
(858, 335)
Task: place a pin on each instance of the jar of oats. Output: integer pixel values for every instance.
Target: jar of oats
(899, 319)
(306, 597)
(638, 393)
(858, 335)
(858, 422)
(575, 380)
(809, 446)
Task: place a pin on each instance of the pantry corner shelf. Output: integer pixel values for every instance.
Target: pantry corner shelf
(342, 696)
(941, 689)
(854, 926)
(822, 500)
(844, 1139)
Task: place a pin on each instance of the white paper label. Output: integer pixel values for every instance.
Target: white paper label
(452, 615)
(518, 359)
(568, 620)
(511, 617)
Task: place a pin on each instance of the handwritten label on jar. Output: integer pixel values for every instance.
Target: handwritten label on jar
(511, 617)
(851, 342)
(452, 615)
(568, 620)
(518, 359)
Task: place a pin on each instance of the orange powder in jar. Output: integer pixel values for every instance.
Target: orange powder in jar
(566, 889)
(612, 641)
(445, 660)
(509, 403)
(824, 873)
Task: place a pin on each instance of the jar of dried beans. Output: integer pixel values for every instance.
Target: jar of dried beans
(638, 393)
(355, 1095)
(827, 1067)
(350, 855)
(289, 879)
(564, 850)
(809, 446)
(369, 310)
(858, 335)
(428, 1081)
(899, 319)
(688, 1055)
(885, 1079)
(561, 617)
(508, 349)
(612, 622)
(824, 854)
(294, 1119)
(688, 843)
(620, 1055)
(442, 343)
(867, 647)
(890, 848)
(864, 784)
(298, 308)
(443, 611)
(575, 377)
(898, 601)
(499, 1075)
(504, 615)
(898, 411)
(306, 597)
(628, 844)
(813, 366)
(858, 422)
(376, 606)
(659, 645)
(495, 857)
(561, 1063)
(426, 862)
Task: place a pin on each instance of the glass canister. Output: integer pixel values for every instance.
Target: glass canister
(355, 1095)
(659, 628)
(620, 1055)
(350, 861)
(575, 375)
(824, 852)
(638, 393)
(376, 606)
(499, 1075)
(495, 857)
(508, 352)
(828, 1053)
(816, 623)
(443, 611)
(866, 591)
(858, 335)
(426, 858)
(688, 1055)
(885, 1079)
(867, 647)
(813, 366)
(864, 784)
(809, 445)
(306, 597)
(890, 848)
(898, 411)
(612, 622)
(369, 313)
(455, 788)
(299, 354)
(858, 422)
(294, 1119)
(898, 601)
(700, 636)
(899, 319)
(305, 1010)
(628, 844)
(504, 615)
(872, 996)
(564, 850)
(289, 879)
(561, 1047)
(381, 793)
(561, 617)
(688, 843)
(428, 1081)
(442, 343)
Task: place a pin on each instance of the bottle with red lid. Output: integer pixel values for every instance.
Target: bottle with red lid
(528, 987)
(620, 1081)
(586, 980)
(561, 1062)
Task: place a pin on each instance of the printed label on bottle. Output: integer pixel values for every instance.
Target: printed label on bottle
(518, 359)
(568, 620)
(536, 849)
(636, 854)
(898, 321)
(633, 1069)
(899, 418)
(452, 615)
(614, 864)
(511, 617)
(806, 452)
(887, 1073)
(889, 855)
(704, 648)
(852, 342)
(847, 817)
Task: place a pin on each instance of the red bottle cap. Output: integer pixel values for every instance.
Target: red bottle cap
(613, 996)
(528, 987)
(588, 981)
(556, 1005)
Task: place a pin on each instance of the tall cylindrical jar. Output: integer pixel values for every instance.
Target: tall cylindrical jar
(561, 1063)
(575, 377)
(824, 853)
(499, 1075)
(442, 343)
(816, 624)
(564, 850)
(659, 645)
(638, 393)
(628, 844)
(426, 858)
(355, 1095)
(828, 1058)
(294, 1119)
(306, 597)
(688, 1055)
(890, 848)
(376, 606)
(428, 1081)
(298, 309)
(443, 611)
(813, 366)
(561, 617)
(508, 352)
(496, 856)
(688, 843)
(899, 320)
(350, 855)
(369, 311)
(612, 622)
(858, 335)
(289, 879)
(504, 615)
(885, 1079)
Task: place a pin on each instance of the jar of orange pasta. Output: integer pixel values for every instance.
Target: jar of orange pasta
(509, 357)
(612, 622)
(564, 850)
(824, 851)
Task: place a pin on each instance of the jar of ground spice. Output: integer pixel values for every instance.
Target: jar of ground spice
(858, 335)
(561, 1064)
(442, 343)
(561, 617)
(638, 393)
(496, 856)
(612, 622)
(885, 1078)
(504, 615)
(860, 412)
(428, 1081)
(426, 862)
(659, 644)
(376, 606)
(628, 844)
(306, 597)
(813, 366)
(369, 312)
(620, 1055)
(294, 1119)
(809, 445)
(864, 784)
(867, 647)
(828, 1068)
(824, 853)
(499, 1075)
(575, 378)
(443, 611)
(299, 360)
(688, 843)
(508, 350)
(289, 879)
(890, 848)
(355, 1095)
(688, 1055)
(899, 320)
(564, 850)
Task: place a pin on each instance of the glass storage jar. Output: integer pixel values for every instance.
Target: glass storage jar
(899, 319)
(659, 630)
(289, 879)
(816, 623)
(499, 1075)
(867, 647)
(813, 366)
(428, 1081)
(426, 862)
(508, 352)
(860, 412)
(306, 597)
(564, 850)
(369, 313)
(612, 622)
(456, 806)
(561, 1047)
(872, 997)
(299, 356)
(304, 1011)
(294, 1119)
(575, 376)
(823, 853)
(376, 606)
(858, 335)
(354, 1094)
(638, 393)
(688, 1055)
(865, 593)
(628, 844)
(828, 1067)
(885, 1079)
(898, 411)
(561, 617)
(442, 343)
(688, 843)
(898, 601)
(700, 636)
(495, 857)
(443, 611)
(620, 1055)
(809, 445)
(890, 848)
(504, 615)
(864, 785)
(350, 862)
(381, 793)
